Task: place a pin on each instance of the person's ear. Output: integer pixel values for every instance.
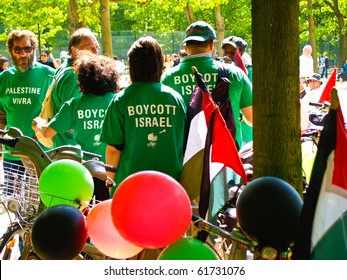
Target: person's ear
(212, 46)
(185, 48)
(74, 52)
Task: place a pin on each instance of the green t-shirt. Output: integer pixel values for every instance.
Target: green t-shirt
(149, 120)
(85, 115)
(65, 89)
(181, 78)
(21, 96)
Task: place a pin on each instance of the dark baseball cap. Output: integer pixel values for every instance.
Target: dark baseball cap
(199, 31)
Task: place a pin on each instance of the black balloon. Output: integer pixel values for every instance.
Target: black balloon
(59, 233)
(268, 211)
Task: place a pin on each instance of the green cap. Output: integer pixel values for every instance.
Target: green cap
(199, 31)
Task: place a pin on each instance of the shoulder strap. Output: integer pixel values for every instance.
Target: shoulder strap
(60, 74)
(220, 93)
(223, 72)
(55, 79)
(220, 96)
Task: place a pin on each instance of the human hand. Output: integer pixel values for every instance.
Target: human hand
(227, 59)
(38, 124)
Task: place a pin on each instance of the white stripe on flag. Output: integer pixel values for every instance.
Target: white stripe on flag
(196, 137)
(330, 206)
(343, 103)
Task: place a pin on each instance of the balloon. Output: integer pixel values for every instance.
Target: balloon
(104, 235)
(59, 233)
(65, 182)
(188, 249)
(268, 211)
(151, 209)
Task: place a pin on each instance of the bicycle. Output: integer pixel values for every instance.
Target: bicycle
(261, 224)
(228, 238)
(20, 197)
(234, 244)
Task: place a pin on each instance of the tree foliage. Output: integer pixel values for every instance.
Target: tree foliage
(49, 18)
(52, 19)
(330, 17)
(44, 16)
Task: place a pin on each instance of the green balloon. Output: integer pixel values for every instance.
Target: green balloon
(66, 182)
(188, 249)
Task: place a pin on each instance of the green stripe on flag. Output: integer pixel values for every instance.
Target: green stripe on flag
(191, 175)
(333, 245)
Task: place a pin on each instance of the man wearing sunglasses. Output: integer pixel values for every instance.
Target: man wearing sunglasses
(23, 86)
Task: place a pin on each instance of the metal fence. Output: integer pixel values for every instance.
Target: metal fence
(171, 42)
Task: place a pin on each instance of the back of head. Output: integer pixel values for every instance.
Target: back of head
(199, 31)
(19, 34)
(146, 60)
(96, 74)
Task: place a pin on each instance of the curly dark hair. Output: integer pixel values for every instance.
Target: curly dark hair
(146, 60)
(96, 74)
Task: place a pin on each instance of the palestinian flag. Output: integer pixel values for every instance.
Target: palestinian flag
(209, 150)
(325, 96)
(240, 63)
(323, 226)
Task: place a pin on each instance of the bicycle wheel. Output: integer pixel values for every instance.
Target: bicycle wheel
(10, 243)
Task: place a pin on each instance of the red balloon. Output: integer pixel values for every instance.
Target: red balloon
(104, 235)
(151, 209)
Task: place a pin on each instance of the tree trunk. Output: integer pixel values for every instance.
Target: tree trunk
(343, 51)
(276, 109)
(334, 5)
(220, 30)
(73, 17)
(189, 14)
(343, 39)
(106, 35)
(312, 33)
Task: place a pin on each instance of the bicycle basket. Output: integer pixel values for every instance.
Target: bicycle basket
(19, 191)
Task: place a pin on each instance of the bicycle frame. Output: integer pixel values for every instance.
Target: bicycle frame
(35, 160)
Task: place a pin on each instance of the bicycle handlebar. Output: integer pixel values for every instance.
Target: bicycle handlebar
(323, 105)
(214, 230)
(11, 142)
(31, 153)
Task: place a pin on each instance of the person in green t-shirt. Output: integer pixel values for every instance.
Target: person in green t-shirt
(145, 123)
(98, 81)
(23, 87)
(66, 87)
(199, 43)
(229, 47)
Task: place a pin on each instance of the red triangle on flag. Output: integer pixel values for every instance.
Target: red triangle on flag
(340, 166)
(328, 87)
(224, 149)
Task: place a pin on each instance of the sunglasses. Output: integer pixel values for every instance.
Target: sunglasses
(19, 50)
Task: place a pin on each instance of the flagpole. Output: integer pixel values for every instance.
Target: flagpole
(334, 104)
